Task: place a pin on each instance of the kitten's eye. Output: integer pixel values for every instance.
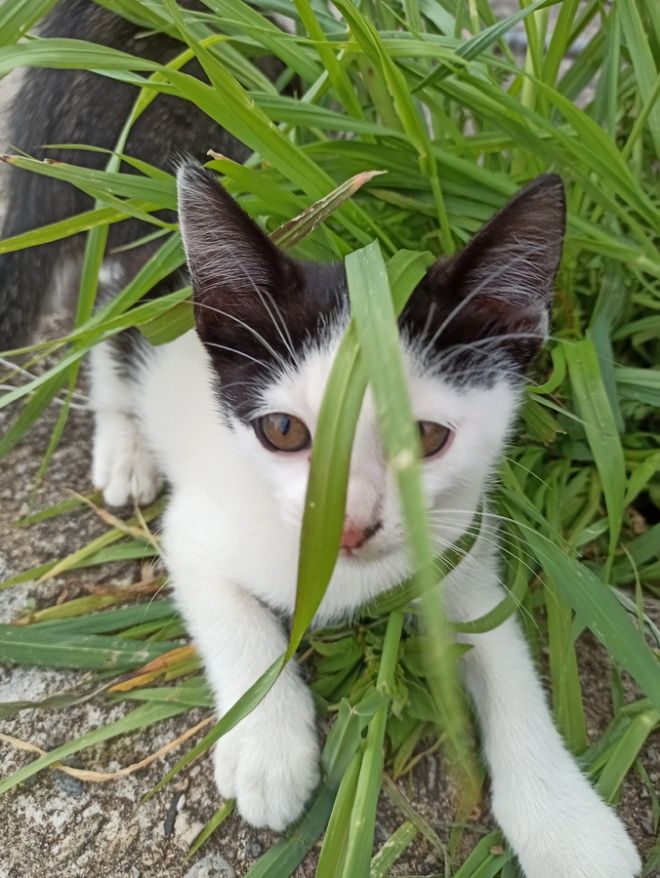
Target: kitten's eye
(434, 437)
(281, 432)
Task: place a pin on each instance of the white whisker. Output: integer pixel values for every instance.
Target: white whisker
(222, 347)
(255, 333)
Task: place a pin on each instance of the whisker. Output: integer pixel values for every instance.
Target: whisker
(213, 344)
(14, 367)
(517, 463)
(502, 544)
(247, 326)
(284, 333)
(508, 591)
(466, 556)
(56, 399)
(483, 344)
(506, 547)
(505, 518)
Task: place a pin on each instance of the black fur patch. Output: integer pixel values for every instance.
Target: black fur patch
(76, 106)
(256, 309)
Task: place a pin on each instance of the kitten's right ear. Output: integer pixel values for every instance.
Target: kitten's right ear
(233, 265)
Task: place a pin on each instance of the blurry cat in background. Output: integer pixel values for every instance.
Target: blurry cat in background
(227, 415)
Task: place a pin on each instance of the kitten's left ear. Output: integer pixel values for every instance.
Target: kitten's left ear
(515, 256)
(500, 285)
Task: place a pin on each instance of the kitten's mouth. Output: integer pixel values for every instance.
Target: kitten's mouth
(370, 551)
(363, 560)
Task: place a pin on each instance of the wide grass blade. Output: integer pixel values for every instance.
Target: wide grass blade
(282, 859)
(375, 321)
(333, 851)
(597, 607)
(600, 427)
(486, 860)
(224, 811)
(644, 65)
(406, 111)
(18, 16)
(85, 221)
(626, 752)
(69, 54)
(396, 844)
(361, 824)
(30, 645)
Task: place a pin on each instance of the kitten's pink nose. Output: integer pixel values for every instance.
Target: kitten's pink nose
(356, 535)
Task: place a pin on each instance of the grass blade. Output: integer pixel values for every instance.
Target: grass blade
(600, 427)
(140, 718)
(597, 607)
(376, 326)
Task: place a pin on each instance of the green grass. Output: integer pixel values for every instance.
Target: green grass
(428, 93)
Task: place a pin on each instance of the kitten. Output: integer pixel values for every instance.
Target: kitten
(227, 414)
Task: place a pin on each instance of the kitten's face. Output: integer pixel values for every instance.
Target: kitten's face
(472, 424)
(272, 325)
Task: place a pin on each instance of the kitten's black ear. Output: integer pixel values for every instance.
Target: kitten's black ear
(501, 283)
(515, 256)
(235, 268)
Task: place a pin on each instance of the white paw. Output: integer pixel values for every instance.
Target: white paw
(584, 840)
(123, 468)
(270, 765)
(225, 762)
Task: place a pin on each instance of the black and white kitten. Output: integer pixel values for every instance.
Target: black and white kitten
(227, 413)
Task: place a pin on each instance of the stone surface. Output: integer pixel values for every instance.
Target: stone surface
(211, 866)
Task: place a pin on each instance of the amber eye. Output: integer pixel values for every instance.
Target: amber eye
(281, 432)
(434, 437)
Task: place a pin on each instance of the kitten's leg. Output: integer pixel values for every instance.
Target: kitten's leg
(269, 761)
(556, 823)
(123, 466)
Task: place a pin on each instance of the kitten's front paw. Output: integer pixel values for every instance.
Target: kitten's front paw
(586, 840)
(271, 767)
(123, 468)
